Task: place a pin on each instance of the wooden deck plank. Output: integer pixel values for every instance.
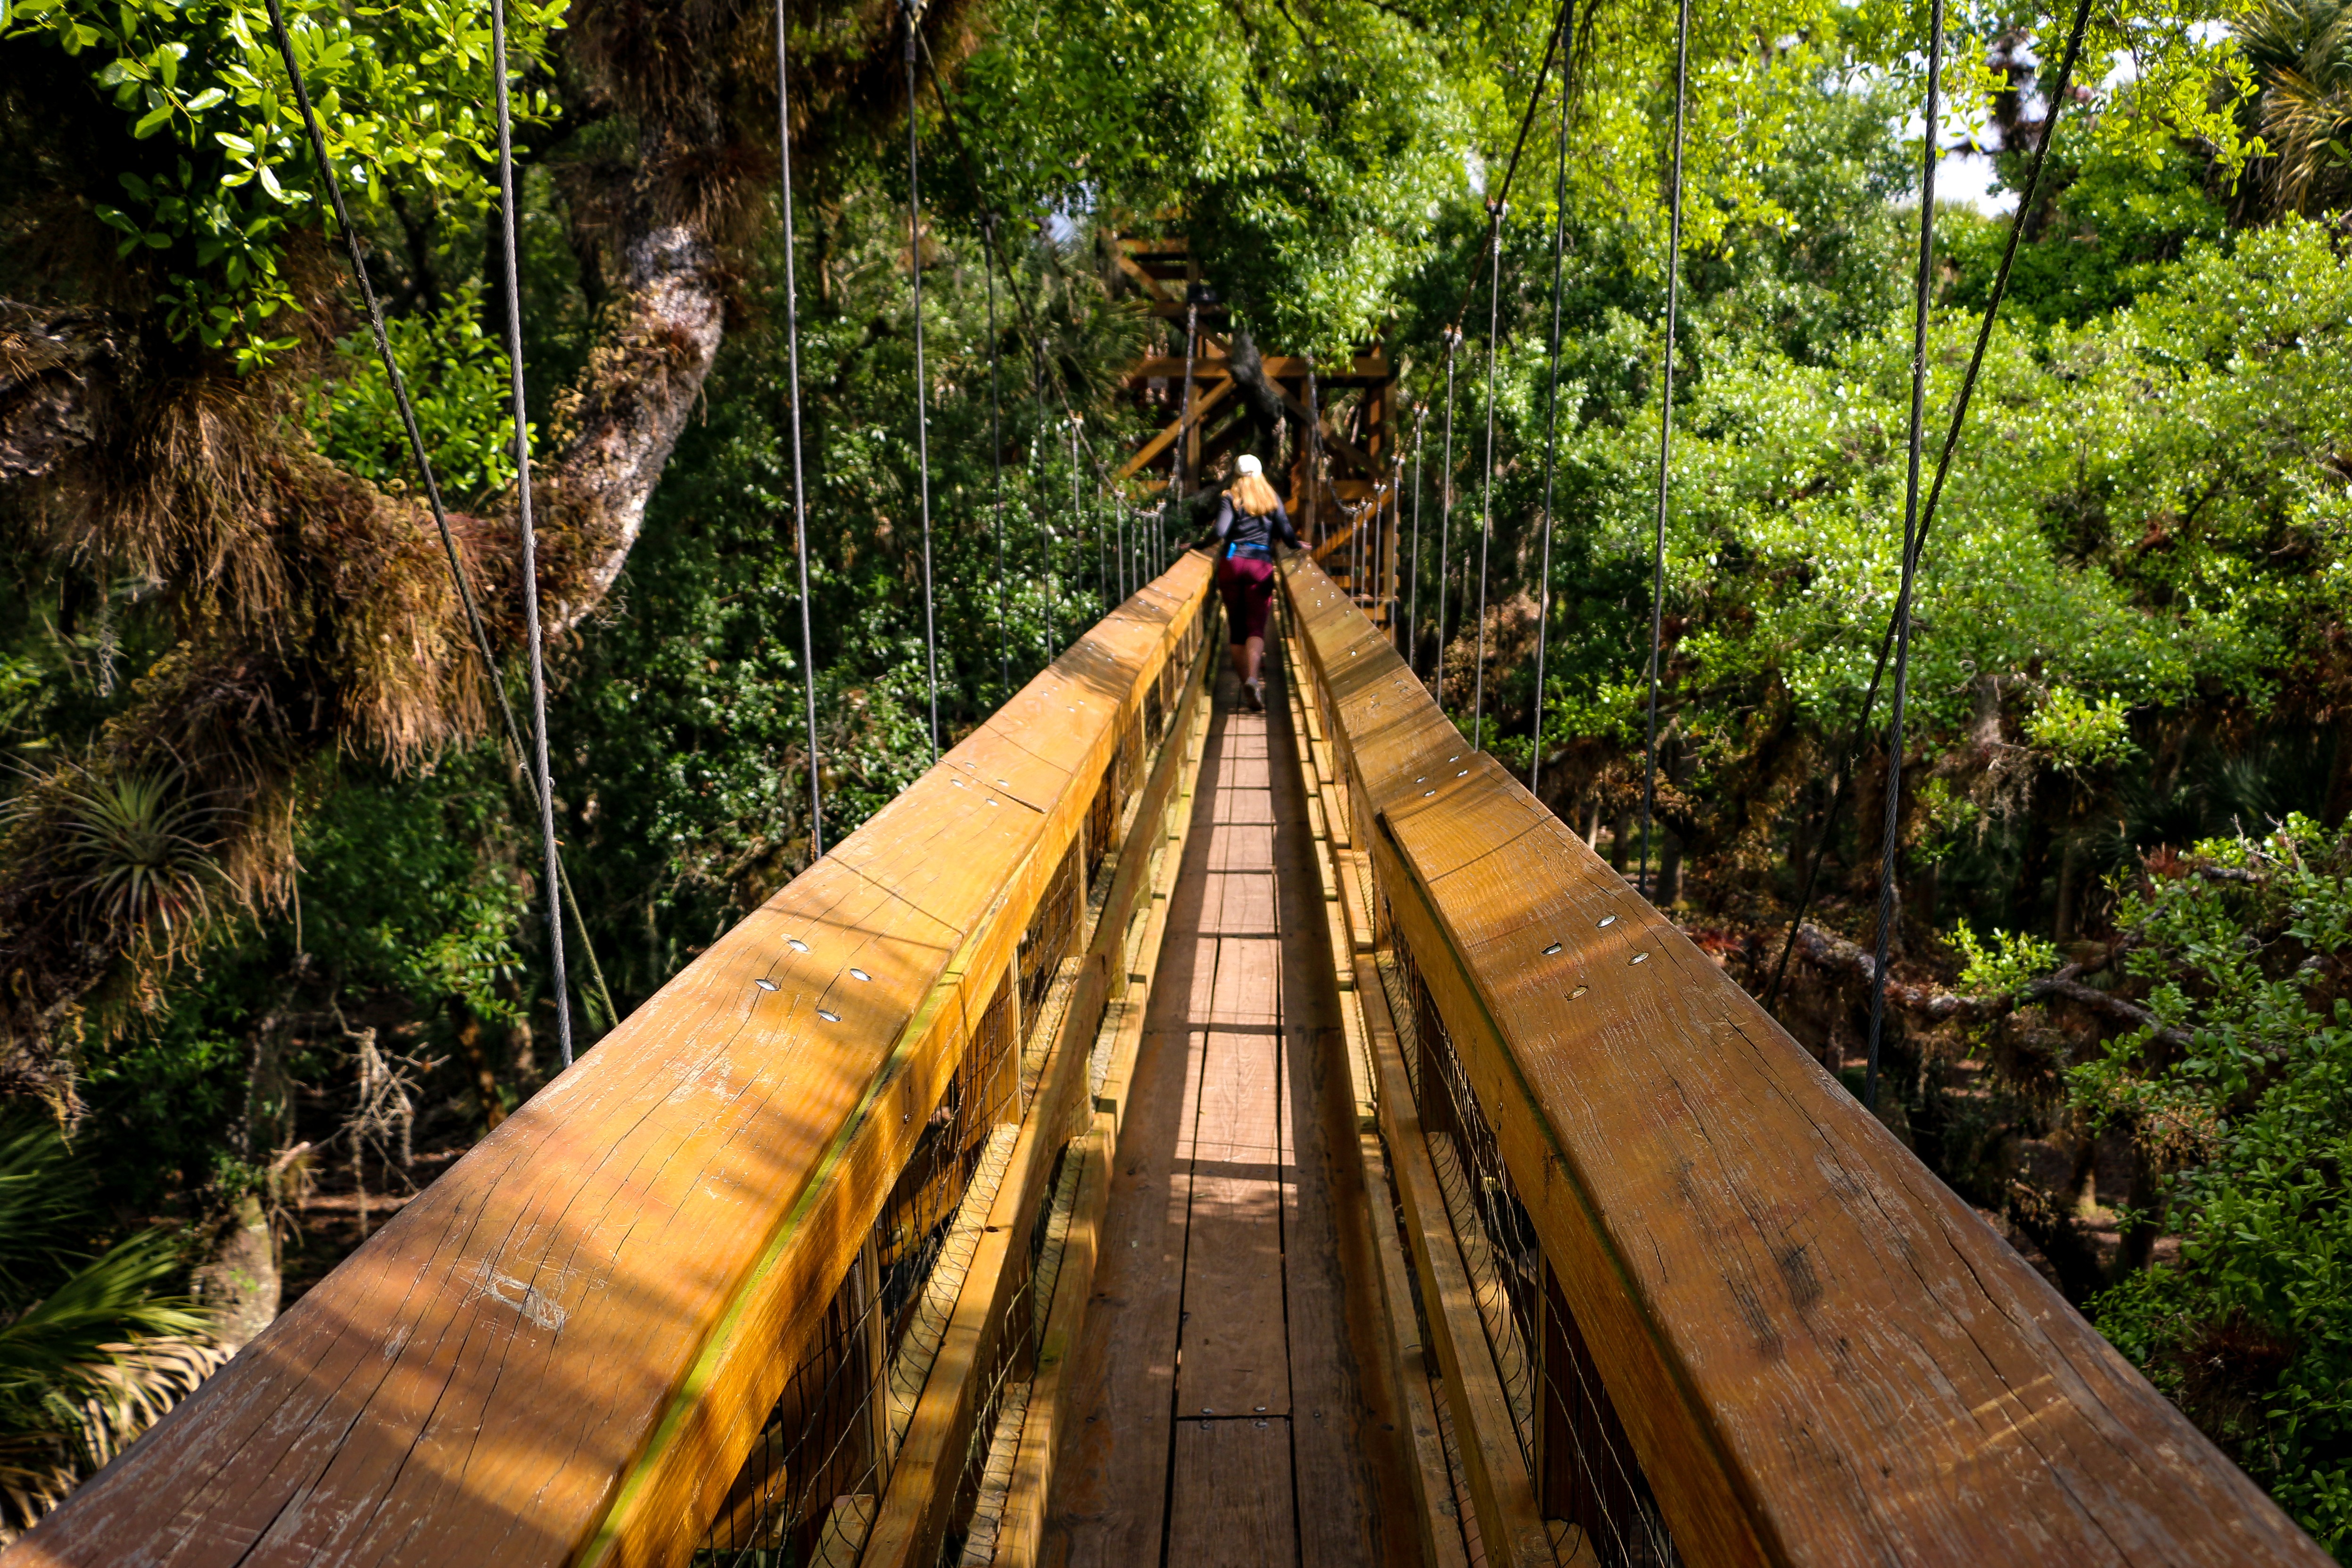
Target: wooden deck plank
(1110, 1475)
(1222, 1041)
(1231, 1352)
(1232, 1502)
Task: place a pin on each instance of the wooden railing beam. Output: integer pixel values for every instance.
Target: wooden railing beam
(564, 1349)
(1820, 1354)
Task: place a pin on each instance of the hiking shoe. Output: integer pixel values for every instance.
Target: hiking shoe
(1253, 693)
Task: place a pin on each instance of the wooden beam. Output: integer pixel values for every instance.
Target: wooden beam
(1332, 439)
(1151, 286)
(1818, 1353)
(925, 1479)
(1165, 439)
(564, 1349)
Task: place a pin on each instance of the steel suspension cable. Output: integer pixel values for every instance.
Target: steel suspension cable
(996, 470)
(1551, 433)
(1388, 532)
(1887, 846)
(1045, 523)
(1184, 398)
(922, 401)
(1412, 589)
(1519, 143)
(432, 487)
(800, 495)
(1666, 431)
(1486, 488)
(1077, 512)
(1943, 466)
(1444, 519)
(1316, 485)
(530, 533)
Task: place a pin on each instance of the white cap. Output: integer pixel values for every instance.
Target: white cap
(1246, 464)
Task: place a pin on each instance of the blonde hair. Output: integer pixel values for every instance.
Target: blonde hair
(1252, 494)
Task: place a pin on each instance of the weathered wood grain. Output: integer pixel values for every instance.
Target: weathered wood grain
(565, 1346)
(1822, 1355)
(1230, 1499)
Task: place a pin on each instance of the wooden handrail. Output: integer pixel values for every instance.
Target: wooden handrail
(1818, 1353)
(564, 1349)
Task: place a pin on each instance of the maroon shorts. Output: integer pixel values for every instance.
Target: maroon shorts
(1246, 584)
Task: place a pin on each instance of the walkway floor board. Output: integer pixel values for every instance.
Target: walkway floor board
(1231, 1409)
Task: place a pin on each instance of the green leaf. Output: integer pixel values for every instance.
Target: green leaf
(152, 121)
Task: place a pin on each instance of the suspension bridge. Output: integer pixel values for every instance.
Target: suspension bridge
(1168, 1132)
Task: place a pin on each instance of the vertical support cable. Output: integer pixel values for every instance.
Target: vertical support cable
(996, 468)
(800, 499)
(1315, 485)
(1395, 533)
(1412, 589)
(2059, 98)
(1486, 490)
(1665, 432)
(432, 486)
(1184, 399)
(1551, 423)
(530, 533)
(1077, 515)
(1445, 521)
(922, 401)
(1044, 510)
(1886, 844)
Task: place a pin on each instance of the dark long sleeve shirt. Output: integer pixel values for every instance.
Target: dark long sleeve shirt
(1238, 530)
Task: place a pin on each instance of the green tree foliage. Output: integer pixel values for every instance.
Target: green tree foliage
(2242, 1091)
(215, 169)
(457, 377)
(91, 1351)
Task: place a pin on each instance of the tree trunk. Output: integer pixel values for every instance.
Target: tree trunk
(238, 1282)
(2070, 877)
(1667, 890)
(468, 1024)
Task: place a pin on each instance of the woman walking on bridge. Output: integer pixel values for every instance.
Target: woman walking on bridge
(1249, 519)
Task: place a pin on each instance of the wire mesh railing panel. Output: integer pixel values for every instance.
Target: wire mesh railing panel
(810, 1490)
(1102, 819)
(1579, 1456)
(810, 1485)
(1047, 939)
(985, 1480)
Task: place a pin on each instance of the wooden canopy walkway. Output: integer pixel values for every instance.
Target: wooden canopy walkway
(1165, 1134)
